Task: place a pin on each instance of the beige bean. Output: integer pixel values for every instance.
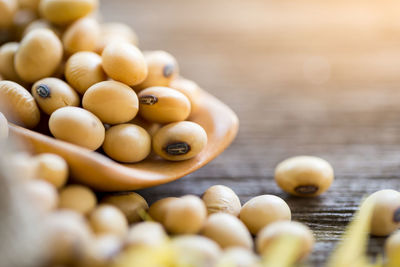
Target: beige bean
(84, 69)
(18, 105)
(77, 126)
(130, 203)
(53, 93)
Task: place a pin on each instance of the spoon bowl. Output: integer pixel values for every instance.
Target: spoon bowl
(102, 173)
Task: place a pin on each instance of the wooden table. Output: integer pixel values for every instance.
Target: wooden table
(305, 77)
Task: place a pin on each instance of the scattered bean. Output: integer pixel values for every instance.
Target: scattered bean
(146, 234)
(304, 176)
(220, 198)
(82, 35)
(51, 168)
(227, 230)
(130, 203)
(295, 230)
(107, 219)
(78, 198)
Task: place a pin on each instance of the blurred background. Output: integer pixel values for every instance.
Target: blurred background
(305, 77)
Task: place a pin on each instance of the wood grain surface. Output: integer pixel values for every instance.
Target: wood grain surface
(305, 77)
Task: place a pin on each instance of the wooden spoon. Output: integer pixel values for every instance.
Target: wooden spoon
(102, 173)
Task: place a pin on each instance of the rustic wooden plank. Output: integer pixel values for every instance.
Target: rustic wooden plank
(305, 77)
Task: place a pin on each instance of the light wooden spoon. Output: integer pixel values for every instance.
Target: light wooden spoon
(102, 173)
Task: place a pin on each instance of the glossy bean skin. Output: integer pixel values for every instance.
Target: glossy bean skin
(295, 230)
(112, 102)
(304, 176)
(127, 143)
(53, 93)
(7, 55)
(8, 8)
(124, 62)
(82, 35)
(78, 198)
(77, 126)
(162, 69)
(38, 56)
(66, 11)
(84, 69)
(18, 105)
(263, 210)
(130, 203)
(179, 141)
(163, 105)
(115, 32)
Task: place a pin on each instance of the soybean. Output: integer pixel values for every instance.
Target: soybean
(8, 8)
(227, 230)
(38, 56)
(103, 249)
(146, 234)
(130, 203)
(77, 126)
(78, 198)
(198, 250)
(392, 249)
(107, 219)
(386, 212)
(82, 35)
(185, 215)
(162, 69)
(158, 209)
(69, 237)
(51, 168)
(84, 69)
(66, 11)
(53, 93)
(220, 198)
(294, 230)
(127, 143)
(179, 141)
(239, 257)
(112, 102)
(18, 105)
(3, 127)
(7, 67)
(124, 62)
(304, 176)
(190, 89)
(163, 105)
(43, 194)
(263, 210)
(115, 32)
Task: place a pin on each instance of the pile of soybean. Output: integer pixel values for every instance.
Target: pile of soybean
(92, 85)
(114, 229)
